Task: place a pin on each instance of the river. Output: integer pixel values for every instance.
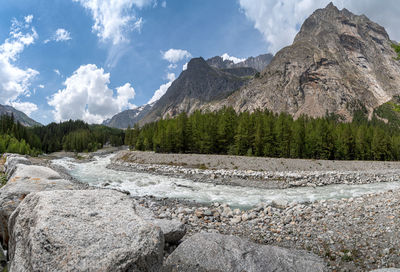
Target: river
(96, 173)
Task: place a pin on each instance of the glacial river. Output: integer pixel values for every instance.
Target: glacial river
(142, 184)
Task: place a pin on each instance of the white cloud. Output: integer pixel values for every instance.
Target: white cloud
(172, 66)
(164, 4)
(28, 19)
(163, 88)
(41, 86)
(14, 81)
(184, 67)
(61, 35)
(57, 72)
(175, 55)
(279, 21)
(234, 59)
(25, 107)
(87, 96)
(113, 19)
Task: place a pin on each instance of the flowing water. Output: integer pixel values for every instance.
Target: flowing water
(143, 184)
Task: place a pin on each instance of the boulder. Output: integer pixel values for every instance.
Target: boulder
(217, 252)
(82, 230)
(36, 172)
(12, 162)
(173, 230)
(27, 179)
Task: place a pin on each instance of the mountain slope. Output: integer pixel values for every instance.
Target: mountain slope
(338, 63)
(196, 86)
(128, 118)
(258, 63)
(18, 116)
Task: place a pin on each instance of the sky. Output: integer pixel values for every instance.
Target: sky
(90, 59)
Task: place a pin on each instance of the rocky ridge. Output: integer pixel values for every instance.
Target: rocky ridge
(338, 63)
(258, 63)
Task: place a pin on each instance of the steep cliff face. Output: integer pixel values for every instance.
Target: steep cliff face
(337, 62)
(196, 86)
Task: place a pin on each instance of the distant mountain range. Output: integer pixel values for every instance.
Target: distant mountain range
(18, 116)
(338, 63)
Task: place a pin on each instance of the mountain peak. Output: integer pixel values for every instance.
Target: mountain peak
(196, 62)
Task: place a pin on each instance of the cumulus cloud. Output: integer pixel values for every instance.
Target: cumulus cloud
(113, 19)
(175, 55)
(25, 107)
(163, 88)
(28, 19)
(172, 66)
(62, 35)
(87, 96)
(184, 67)
(279, 21)
(231, 58)
(15, 81)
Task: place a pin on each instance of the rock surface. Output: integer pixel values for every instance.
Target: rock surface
(25, 180)
(339, 62)
(83, 230)
(173, 230)
(11, 163)
(216, 252)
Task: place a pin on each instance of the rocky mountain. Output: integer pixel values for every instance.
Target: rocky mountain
(18, 115)
(199, 84)
(338, 63)
(128, 118)
(258, 63)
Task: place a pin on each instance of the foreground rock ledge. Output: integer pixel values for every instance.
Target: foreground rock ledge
(218, 253)
(95, 230)
(24, 180)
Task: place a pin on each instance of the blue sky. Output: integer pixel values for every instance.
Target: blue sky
(89, 59)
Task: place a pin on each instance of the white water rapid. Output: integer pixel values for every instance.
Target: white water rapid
(142, 184)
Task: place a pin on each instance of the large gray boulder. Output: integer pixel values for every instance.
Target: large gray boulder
(25, 180)
(11, 163)
(82, 230)
(217, 252)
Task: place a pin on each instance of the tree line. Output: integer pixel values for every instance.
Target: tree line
(75, 136)
(264, 133)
